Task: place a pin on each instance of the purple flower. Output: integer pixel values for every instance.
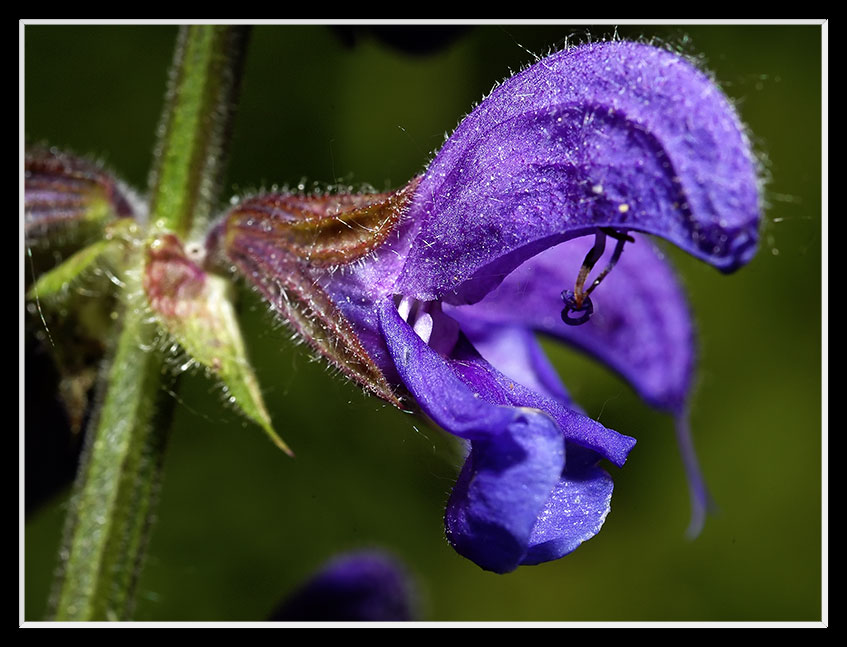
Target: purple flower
(430, 297)
(368, 586)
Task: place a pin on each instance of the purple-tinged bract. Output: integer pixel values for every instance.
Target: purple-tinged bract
(68, 199)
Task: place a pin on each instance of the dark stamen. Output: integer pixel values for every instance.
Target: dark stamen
(591, 258)
(612, 261)
(576, 300)
(584, 309)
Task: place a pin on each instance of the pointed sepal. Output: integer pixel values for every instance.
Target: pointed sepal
(107, 252)
(196, 308)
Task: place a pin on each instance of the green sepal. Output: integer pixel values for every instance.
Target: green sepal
(110, 248)
(55, 281)
(73, 307)
(196, 309)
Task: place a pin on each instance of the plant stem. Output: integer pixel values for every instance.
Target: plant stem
(111, 504)
(114, 494)
(194, 131)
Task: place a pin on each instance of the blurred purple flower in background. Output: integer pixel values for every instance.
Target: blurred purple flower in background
(430, 297)
(367, 586)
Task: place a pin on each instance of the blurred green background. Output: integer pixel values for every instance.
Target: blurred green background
(239, 524)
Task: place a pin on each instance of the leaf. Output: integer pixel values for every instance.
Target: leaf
(77, 322)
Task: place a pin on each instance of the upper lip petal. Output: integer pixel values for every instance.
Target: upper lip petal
(616, 134)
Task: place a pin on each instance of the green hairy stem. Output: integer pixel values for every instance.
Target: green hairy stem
(194, 130)
(115, 491)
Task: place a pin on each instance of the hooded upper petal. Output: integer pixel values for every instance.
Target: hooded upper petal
(618, 134)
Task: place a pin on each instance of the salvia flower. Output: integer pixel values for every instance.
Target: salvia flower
(430, 296)
(362, 586)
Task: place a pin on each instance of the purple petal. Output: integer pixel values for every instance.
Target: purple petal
(515, 352)
(569, 515)
(439, 392)
(576, 427)
(641, 327)
(516, 458)
(367, 586)
(575, 510)
(619, 135)
(501, 491)
(469, 398)
(701, 500)
(517, 450)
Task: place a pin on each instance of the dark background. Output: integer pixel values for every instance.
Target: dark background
(239, 523)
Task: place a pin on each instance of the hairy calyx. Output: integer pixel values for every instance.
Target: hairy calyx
(284, 243)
